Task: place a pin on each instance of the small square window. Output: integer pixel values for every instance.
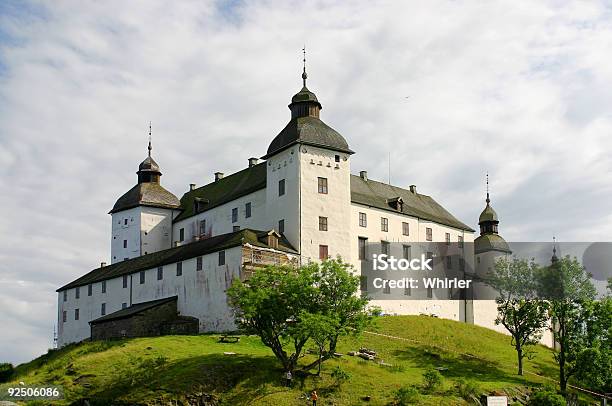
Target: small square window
(337, 158)
(221, 257)
(179, 268)
(281, 187)
(281, 226)
(76, 314)
(235, 228)
(322, 185)
(428, 234)
(198, 263)
(322, 223)
(405, 228)
(123, 305)
(247, 210)
(363, 220)
(160, 273)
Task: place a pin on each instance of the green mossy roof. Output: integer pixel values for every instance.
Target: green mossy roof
(224, 190)
(309, 131)
(377, 194)
(490, 242)
(176, 254)
(488, 214)
(134, 309)
(150, 194)
(304, 95)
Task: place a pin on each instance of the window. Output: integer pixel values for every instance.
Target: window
(234, 214)
(142, 277)
(322, 185)
(125, 222)
(323, 252)
(407, 289)
(429, 292)
(65, 296)
(385, 247)
(449, 262)
(406, 251)
(337, 158)
(76, 314)
(221, 257)
(202, 227)
(198, 263)
(322, 223)
(103, 286)
(363, 220)
(428, 234)
(103, 309)
(460, 239)
(125, 281)
(247, 210)
(124, 305)
(384, 224)
(89, 289)
(64, 316)
(179, 268)
(77, 292)
(281, 187)
(124, 243)
(363, 283)
(447, 238)
(160, 273)
(281, 226)
(182, 234)
(450, 293)
(125, 259)
(363, 242)
(235, 228)
(429, 255)
(405, 228)
(386, 287)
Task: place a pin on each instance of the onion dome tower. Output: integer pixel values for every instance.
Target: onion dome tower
(489, 239)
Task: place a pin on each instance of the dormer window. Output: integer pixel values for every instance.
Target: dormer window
(199, 204)
(396, 202)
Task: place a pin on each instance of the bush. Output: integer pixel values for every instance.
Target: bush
(340, 375)
(6, 371)
(468, 390)
(433, 380)
(546, 397)
(406, 395)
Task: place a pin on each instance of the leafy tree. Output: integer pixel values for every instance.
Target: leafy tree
(519, 311)
(6, 371)
(546, 398)
(287, 307)
(568, 288)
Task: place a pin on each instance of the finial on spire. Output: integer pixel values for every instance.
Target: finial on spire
(304, 75)
(488, 200)
(150, 147)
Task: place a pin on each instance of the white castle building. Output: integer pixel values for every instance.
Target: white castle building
(300, 204)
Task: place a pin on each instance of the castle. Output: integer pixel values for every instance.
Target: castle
(172, 260)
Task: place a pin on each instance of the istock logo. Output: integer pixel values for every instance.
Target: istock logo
(383, 262)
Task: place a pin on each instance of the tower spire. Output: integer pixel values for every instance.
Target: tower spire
(488, 200)
(304, 75)
(149, 147)
(554, 255)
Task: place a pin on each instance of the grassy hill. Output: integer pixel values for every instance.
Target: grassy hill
(160, 370)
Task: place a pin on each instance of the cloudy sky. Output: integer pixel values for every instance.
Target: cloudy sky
(451, 89)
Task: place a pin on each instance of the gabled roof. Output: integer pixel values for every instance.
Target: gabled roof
(380, 195)
(134, 309)
(150, 194)
(224, 190)
(176, 254)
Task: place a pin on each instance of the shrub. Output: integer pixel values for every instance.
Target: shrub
(546, 397)
(6, 371)
(433, 380)
(406, 395)
(468, 390)
(340, 375)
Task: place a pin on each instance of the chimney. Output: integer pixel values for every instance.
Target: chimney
(102, 264)
(413, 189)
(218, 176)
(253, 162)
(192, 186)
(363, 175)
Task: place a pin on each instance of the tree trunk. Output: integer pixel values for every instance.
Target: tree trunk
(519, 353)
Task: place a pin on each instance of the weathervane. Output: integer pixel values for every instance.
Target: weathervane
(304, 75)
(488, 200)
(150, 147)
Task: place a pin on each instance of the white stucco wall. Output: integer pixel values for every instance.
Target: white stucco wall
(129, 232)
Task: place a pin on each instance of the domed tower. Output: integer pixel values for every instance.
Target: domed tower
(308, 181)
(142, 217)
(489, 245)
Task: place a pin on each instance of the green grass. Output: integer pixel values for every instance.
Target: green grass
(157, 370)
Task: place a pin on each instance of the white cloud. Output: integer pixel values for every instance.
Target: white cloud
(518, 89)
